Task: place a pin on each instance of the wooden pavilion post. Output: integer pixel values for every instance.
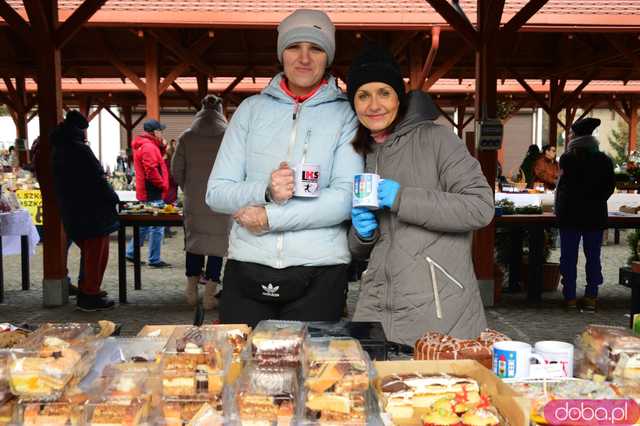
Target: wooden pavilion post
(54, 286)
(484, 42)
(633, 124)
(126, 112)
(486, 107)
(45, 35)
(152, 77)
(203, 86)
(22, 131)
(553, 114)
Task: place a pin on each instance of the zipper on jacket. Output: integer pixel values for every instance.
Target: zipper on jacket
(292, 143)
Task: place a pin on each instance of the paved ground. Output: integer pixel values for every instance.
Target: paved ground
(160, 301)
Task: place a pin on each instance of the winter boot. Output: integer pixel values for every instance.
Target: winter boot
(191, 292)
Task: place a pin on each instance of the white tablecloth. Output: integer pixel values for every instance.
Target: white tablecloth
(127, 195)
(613, 205)
(12, 226)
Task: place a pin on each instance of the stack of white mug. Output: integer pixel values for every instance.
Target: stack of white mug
(512, 359)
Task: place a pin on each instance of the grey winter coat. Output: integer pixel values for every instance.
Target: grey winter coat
(206, 232)
(443, 197)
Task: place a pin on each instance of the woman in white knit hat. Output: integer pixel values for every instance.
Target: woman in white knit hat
(288, 254)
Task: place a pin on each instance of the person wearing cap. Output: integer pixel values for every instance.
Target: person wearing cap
(433, 194)
(87, 207)
(288, 256)
(152, 184)
(206, 232)
(586, 182)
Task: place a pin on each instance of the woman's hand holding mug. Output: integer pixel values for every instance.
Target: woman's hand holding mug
(281, 184)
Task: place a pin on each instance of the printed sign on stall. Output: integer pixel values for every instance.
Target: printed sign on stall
(31, 200)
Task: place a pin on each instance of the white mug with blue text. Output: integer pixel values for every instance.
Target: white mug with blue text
(512, 360)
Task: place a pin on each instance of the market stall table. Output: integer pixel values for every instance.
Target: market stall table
(19, 235)
(136, 221)
(535, 225)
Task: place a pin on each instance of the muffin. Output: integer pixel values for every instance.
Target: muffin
(480, 417)
(441, 417)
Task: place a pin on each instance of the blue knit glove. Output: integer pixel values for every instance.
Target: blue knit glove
(387, 192)
(364, 221)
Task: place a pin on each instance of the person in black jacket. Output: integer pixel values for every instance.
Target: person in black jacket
(87, 206)
(586, 183)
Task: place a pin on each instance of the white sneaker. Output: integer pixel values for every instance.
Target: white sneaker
(191, 291)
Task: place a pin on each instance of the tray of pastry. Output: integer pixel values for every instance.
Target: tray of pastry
(276, 343)
(110, 413)
(267, 396)
(336, 381)
(194, 363)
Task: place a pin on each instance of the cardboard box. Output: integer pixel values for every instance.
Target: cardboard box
(513, 407)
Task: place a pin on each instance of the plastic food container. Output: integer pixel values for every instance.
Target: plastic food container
(276, 344)
(336, 381)
(607, 352)
(266, 396)
(194, 364)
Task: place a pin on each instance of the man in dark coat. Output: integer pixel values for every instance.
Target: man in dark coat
(87, 206)
(586, 183)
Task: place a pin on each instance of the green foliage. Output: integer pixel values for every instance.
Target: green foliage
(632, 240)
(619, 141)
(3, 111)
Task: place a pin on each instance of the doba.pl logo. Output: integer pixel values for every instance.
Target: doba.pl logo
(592, 412)
(270, 290)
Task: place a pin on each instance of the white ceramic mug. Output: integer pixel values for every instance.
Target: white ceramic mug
(365, 190)
(512, 360)
(306, 180)
(555, 352)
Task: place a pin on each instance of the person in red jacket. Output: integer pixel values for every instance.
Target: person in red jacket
(152, 184)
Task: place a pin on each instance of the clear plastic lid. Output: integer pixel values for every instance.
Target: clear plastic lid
(277, 343)
(125, 386)
(194, 412)
(194, 363)
(235, 334)
(600, 336)
(34, 376)
(49, 413)
(337, 379)
(56, 335)
(194, 340)
(267, 395)
(336, 364)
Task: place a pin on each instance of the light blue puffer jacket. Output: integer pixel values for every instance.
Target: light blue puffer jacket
(303, 232)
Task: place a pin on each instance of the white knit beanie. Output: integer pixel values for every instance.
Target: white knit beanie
(311, 26)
